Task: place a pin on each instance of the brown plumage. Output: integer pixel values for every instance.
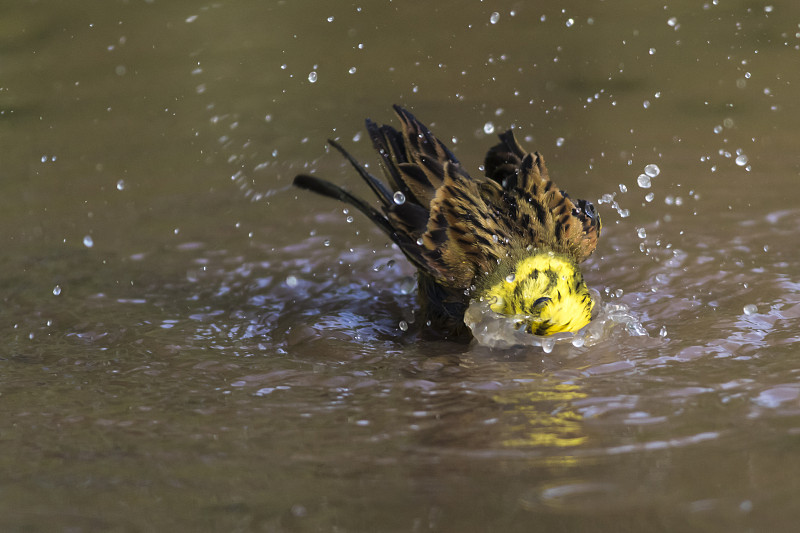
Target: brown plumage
(459, 231)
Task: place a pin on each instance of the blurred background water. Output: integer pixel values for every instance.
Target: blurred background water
(191, 344)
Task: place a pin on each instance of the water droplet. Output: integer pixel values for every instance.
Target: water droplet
(644, 181)
(403, 325)
(326, 242)
(646, 104)
(121, 185)
(494, 18)
(488, 128)
(741, 160)
(420, 241)
(57, 290)
(662, 332)
(330, 19)
(652, 51)
(312, 76)
(510, 278)
(560, 141)
(88, 241)
(641, 232)
(672, 21)
(291, 282)
(399, 198)
(548, 343)
(623, 187)
(649, 196)
(750, 309)
(352, 70)
(349, 219)
(718, 129)
(652, 170)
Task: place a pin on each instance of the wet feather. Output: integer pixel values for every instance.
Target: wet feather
(466, 235)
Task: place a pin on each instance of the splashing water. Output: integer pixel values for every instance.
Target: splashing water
(502, 331)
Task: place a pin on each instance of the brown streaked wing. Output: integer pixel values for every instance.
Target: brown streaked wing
(465, 237)
(545, 214)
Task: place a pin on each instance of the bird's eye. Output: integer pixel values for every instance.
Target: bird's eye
(541, 301)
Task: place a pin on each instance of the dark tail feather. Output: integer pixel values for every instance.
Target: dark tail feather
(326, 188)
(380, 190)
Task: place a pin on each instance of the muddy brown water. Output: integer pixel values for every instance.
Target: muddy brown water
(191, 344)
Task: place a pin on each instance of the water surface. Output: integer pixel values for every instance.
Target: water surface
(191, 344)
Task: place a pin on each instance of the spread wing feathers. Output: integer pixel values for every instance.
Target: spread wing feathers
(544, 214)
(453, 227)
(466, 236)
(413, 158)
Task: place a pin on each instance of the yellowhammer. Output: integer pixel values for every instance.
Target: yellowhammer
(512, 237)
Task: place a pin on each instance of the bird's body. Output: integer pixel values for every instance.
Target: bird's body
(512, 236)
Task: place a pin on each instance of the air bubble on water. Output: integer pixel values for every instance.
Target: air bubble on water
(399, 198)
(652, 51)
(718, 129)
(624, 213)
(420, 241)
(570, 22)
(121, 185)
(352, 70)
(88, 241)
(488, 128)
(494, 18)
(57, 290)
(312, 76)
(750, 309)
(662, 332)
(403, 325)
(326, 242)
(330, 19)
(652, 170)
(291, 282)
(641, 232)
(510, 278)
(623, 187)
(349, 219)
(357, 137)
(741, 160)
(644, 181)
(672, 21)
(649, 196)
(646, 104)
(669, 199)
(560, 141)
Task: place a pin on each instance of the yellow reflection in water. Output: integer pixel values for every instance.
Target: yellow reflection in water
(546, 417)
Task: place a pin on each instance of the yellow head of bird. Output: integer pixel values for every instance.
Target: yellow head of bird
(548, 289)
